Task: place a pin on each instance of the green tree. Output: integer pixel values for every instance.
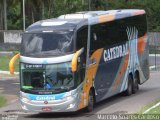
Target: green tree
(44, 9)
(1, 15)
(150, 6)
(14, 14)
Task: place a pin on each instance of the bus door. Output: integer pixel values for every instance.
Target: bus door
(94, 57)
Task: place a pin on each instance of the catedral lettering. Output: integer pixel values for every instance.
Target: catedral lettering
(115, 52)
(45, 98)
(64, 61)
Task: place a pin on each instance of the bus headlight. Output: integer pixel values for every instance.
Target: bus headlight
(24, 99)
(68, 98)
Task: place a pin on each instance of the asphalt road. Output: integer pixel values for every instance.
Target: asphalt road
(148, 93)
(9, 87)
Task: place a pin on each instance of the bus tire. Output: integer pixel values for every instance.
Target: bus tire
(135, 84)
(91, 101)
(128, 92)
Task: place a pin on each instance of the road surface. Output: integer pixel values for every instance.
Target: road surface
(148, 93)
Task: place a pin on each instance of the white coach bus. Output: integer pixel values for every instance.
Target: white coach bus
(73, 61)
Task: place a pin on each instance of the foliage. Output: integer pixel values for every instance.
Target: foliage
(151, 6)
(2, 101)
(14, 18)
(44, 9)
(4, 66)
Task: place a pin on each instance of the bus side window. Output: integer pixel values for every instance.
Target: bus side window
(82, 36)
(140, 23)
(107, 34)
(99, 37)
(95, 38)
(81, 42)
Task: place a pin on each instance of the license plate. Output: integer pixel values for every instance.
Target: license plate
(46, 109)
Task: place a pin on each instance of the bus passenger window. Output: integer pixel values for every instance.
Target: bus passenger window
(81, 42)
(82, 37)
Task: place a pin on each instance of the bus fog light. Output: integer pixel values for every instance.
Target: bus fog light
(24, 107)
(70, 106)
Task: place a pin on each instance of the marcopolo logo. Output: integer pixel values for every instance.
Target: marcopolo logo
(115, 52)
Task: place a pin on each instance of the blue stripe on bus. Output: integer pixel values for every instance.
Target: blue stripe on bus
(46, 97)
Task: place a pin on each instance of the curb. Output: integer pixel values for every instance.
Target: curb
(6, 53)
(5, 75)
(8, 73)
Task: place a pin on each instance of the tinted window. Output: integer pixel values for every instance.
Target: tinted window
(81, 42)
(114, 32)
(82, 36)
(139, 22)
(47, 44)
(107, 34)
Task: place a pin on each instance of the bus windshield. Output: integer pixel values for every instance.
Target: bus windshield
(46, 44)
(54, 77)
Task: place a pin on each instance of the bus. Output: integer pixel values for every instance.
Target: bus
(76, 60)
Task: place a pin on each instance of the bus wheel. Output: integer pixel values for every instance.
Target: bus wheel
(135, 87)
(128, 92)
(90, 106)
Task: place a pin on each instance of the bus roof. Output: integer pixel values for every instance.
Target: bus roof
(71, 21)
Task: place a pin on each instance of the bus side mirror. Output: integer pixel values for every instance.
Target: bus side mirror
(12, 62)
(75, 59)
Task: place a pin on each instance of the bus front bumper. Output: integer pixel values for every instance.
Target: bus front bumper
(69, 104)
